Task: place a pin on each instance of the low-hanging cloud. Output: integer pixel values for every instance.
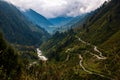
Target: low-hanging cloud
(55, 8)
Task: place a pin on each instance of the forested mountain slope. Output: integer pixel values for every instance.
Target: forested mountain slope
(103, 23)
(17, 29)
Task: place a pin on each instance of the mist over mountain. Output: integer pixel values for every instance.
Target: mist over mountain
(53, 24)
(72, 23)
(39, 20)
(56, 8)
(59, 21)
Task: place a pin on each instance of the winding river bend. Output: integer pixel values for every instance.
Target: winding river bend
(40, 55)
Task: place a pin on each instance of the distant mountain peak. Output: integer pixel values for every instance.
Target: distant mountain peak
(38, 19)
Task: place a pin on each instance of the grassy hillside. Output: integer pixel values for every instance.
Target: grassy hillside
(101, 29)
(103, 24)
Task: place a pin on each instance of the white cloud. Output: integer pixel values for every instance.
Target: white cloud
(55, 8)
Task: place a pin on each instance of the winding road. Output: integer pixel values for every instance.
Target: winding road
(90, 72)
(68, 55)
(100, 56)
(33, 63)
(81, 61)
(100, 53)
(67, 58)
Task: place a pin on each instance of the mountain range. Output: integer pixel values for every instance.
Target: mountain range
(52, 24)
(39, 20)
(90, 50)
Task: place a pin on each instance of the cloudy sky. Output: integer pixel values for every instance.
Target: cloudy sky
(56, 8)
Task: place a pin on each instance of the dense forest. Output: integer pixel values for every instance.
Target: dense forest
(10, 64)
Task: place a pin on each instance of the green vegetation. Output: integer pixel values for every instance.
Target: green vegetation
(10, 64)
(63, 51)
(102, 29)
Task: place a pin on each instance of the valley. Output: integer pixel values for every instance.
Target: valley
(35, 45)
